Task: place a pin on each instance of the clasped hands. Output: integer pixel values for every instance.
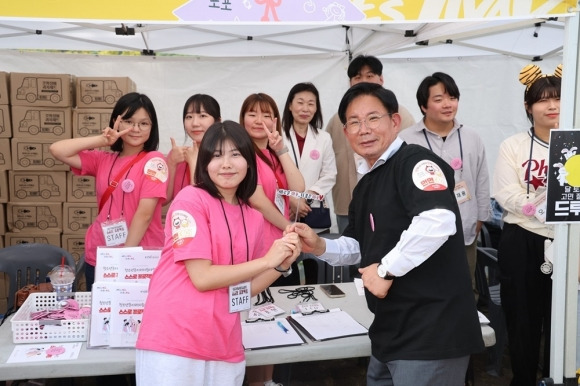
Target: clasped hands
(312, 243)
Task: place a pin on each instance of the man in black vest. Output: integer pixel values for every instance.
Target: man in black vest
(405, 231)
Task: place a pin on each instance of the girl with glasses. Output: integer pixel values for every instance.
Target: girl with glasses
(130, 180)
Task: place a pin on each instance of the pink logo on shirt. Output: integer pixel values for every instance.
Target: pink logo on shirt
(183, 228)
(315, 154)
(156, 170)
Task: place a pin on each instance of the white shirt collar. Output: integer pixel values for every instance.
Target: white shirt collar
(363, 167)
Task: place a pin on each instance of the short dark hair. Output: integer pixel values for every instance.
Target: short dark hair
(438, 77)
(126, 106)
(544, 87)
(387, 98)
(362, 60)
(198, 101)
(213, 139)
(288, 118)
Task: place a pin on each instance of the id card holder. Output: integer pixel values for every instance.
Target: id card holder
(541, 206)
(115, 232)
(239, 297)
(280, 202)
(461, 192)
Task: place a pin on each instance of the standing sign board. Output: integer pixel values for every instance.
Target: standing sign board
(563, 200)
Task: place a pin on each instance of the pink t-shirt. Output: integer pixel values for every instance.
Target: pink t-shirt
(271, 182)
(145, 179)
(179, 319)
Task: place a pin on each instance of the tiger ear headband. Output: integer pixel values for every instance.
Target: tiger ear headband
(530, 73)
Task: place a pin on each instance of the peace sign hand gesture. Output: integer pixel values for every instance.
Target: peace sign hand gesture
(112, 135)
(274, 138)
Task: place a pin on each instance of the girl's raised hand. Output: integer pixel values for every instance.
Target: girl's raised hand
(274, 138)
(112, 135)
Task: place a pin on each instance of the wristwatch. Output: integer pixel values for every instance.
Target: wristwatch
(284, 272)
(382, 272)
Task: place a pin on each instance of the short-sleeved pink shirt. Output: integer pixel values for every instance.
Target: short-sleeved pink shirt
(179, 319)
(147, 178)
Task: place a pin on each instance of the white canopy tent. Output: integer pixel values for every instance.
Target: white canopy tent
(230, 60)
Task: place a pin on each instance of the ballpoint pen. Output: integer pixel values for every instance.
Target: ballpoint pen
(279, 323)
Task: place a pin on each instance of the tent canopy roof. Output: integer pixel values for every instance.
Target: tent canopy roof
(530, 38)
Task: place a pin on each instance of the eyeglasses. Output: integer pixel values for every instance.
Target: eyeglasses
(371, 122)
(143, 126)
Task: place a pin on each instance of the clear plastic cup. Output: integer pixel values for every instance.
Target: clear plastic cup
(62, 278)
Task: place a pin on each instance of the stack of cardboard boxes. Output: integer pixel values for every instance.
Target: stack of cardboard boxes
(41, 201)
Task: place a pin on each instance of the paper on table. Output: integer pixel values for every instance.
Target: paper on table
(44, 352)
(328, 325)
(258, 335)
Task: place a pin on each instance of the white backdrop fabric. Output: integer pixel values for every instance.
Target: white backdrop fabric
(491, 96)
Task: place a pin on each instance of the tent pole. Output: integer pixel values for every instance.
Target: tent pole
(565, 276)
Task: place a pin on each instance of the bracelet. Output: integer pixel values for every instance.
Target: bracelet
(282, 270)
(284, 150)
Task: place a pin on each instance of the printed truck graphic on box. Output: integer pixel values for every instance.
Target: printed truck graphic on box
(34, 217)
(84, 187)
(94, 90)
(30, 240)
(41, 89)
(76, 249)
(35, 154)
(36, 186)
(81, 218)
(90, 124)
(45, 121)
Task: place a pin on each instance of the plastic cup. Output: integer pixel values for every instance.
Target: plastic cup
(62, 278)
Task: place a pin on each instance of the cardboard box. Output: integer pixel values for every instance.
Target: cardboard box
(37, 186)
(50, 90)
(4, 186)
(90, 122)
(15, 238)
(5, 122)
(34, 155)
(78, 216)
(4, 95)
(74, 244)
(102, 92)
(80, 188)
(5, 154)
(3, 221)
(29, 216)
(41, 122)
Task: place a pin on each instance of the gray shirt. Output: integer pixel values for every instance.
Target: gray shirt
(473, 170)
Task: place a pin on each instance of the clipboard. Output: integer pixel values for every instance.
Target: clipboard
(328, 325)
(269, 334)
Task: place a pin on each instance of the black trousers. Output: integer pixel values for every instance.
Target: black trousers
(526, 299)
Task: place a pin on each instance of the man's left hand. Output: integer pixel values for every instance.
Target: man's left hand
(373, 282)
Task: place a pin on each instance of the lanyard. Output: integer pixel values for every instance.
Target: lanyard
(529, 169)
(230, 233)
(274, 167)
(113, 183)
(458, 138)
